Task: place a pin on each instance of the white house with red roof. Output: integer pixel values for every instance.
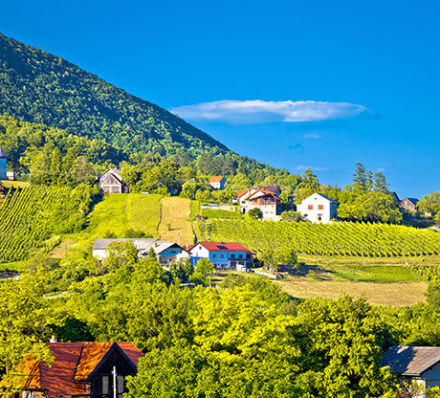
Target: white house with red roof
(318, 208)
(217, 182)
(223, 255)
(267, 199)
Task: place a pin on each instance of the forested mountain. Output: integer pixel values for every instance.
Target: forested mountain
(40, 87)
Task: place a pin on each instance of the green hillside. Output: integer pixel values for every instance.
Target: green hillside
(40, 87)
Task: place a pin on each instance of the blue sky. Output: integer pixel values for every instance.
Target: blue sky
(369, 69)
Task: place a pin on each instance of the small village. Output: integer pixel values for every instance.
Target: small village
(219, 199)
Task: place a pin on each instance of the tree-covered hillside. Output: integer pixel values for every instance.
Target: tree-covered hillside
(40, 87)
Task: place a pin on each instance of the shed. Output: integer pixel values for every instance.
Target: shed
(414, 363)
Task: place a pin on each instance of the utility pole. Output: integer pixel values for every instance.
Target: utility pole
(115, 390)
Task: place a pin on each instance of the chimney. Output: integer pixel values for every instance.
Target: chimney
(155, 244)
(53, 339)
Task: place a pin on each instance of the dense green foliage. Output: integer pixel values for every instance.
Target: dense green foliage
(343, 238)
(43, 88)
(28, 216)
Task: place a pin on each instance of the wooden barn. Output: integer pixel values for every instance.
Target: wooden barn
(112, 182)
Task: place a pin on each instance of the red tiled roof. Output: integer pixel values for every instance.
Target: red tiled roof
(224, 247)
(215, 179)
(72, 362)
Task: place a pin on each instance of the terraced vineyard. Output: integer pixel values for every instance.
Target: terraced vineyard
(24, 221)
(344, 238)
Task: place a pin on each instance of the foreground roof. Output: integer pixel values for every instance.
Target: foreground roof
(411, 360)
(73, 362)
(223, 247)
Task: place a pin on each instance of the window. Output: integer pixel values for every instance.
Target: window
(214, 256)
(309, 207)
(320, 207)
(222, 256)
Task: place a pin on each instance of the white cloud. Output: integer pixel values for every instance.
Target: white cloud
(312, 136)
(314, 168)
(259, 111)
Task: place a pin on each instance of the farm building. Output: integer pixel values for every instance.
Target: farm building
(412, 363)
(409, 204)
(167, 252)
(217, 182)
(318, 208)
(222, 255)
(81, 370)
(264, 198)
(3, 164)
(112, 182)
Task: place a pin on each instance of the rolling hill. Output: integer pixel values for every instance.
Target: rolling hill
(43, 88)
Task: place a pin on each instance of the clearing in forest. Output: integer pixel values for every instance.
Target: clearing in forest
(175, 220)
(118, 213)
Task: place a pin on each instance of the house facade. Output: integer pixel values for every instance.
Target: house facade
(222, 255)
(414, 363)
(112, 182)
(264, 198)
(409, 204)
(217, 182)
(318, 208)
(84, 369)
(3, 164)
(167, 252)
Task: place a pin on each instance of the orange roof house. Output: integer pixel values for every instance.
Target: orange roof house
(217, 182)
(81, 370)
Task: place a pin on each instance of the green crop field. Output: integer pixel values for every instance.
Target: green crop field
(25, 221)
(342, 239)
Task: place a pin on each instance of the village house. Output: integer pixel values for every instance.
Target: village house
(112, 182)
(267, 199)
(167, 252)
(409, 204)
(318, 208)
(3, 164)
(86, 369)
(222, 255)
(217, 182)
(414, 363)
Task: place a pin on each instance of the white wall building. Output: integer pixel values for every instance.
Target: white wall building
(263, 198)
(318, 208)
(167, 252)
(217, 182)
(222, 255)
(3, 162)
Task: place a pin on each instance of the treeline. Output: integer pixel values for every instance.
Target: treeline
(367, 199)
(243, 338)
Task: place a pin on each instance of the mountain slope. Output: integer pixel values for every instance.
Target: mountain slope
(40, 87)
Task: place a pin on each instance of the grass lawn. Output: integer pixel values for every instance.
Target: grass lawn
(15, 184)
(397, 293)
(119, 212)
(175, 220)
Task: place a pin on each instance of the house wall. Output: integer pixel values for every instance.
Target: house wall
(432, 376)
(315, 214)
(172, 254)
(3, 175)
(221, 260)
(218, 185)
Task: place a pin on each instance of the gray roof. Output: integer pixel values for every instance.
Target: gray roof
(411, 360)
(2, 154)
(326, 197)
(142, 244)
